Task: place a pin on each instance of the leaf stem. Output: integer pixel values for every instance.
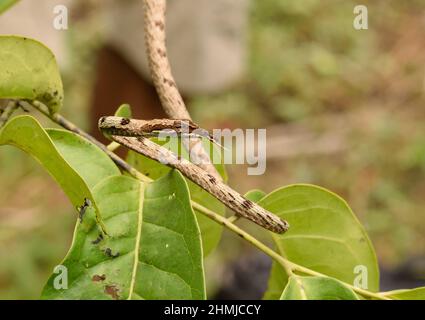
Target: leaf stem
(233, 218)
(244, 235)
(113, 146)
(7, 112)
(287, 265)
(63, 122)
(363, 292)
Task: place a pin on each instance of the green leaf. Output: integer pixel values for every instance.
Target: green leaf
(25, 133)
(6, 4)
(410, 294)
(91, 163)
(124, 111)
(324, 236)
(210, 231)
(277, 281)
(255, 195)
(316, 288)
(28, 70)
(153, 229)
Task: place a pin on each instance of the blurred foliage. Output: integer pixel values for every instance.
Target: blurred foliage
(36, 225)
(308, 69)
(311, 70)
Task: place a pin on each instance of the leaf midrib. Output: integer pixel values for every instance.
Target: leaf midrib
(138, 237)
(303, 292)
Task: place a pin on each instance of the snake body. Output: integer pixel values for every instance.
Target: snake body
(171, 99)
(132, 134)
(137, 128)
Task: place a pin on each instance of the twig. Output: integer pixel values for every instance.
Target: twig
(287, 265)
(63, 122)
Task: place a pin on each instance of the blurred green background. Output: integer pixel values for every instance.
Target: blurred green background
(349, 107)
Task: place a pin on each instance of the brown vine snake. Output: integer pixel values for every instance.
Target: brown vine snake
(133, 133)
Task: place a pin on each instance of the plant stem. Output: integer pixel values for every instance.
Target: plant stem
(360, 291)
(63, 122)
(233, 218)
(7, 112)
(287, 265)
(243, 234)
(113, 146)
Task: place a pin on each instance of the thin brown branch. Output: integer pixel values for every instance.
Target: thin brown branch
(63, 122)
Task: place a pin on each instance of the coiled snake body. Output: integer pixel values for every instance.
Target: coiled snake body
(134, 133)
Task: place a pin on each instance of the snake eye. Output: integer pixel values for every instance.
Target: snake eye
(125, 121)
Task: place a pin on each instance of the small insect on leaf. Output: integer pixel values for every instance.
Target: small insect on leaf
(109, 254)
(98, 239)
(113, 291)
(98, 278)
(83, 208)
